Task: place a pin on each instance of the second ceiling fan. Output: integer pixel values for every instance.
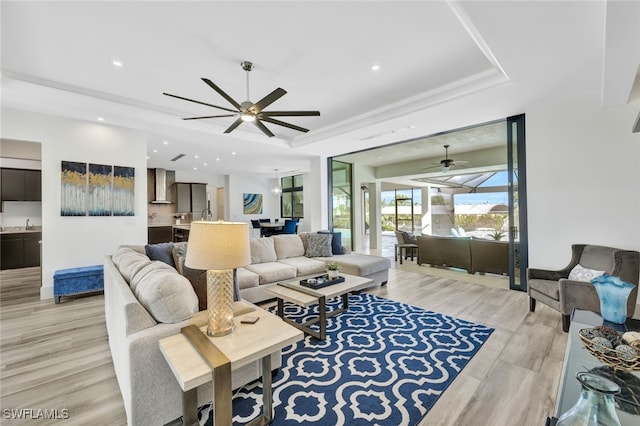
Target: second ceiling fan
(249, 111)
(446, 163)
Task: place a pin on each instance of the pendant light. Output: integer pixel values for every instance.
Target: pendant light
(276, 191)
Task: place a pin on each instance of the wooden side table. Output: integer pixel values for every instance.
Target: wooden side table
(248, 343)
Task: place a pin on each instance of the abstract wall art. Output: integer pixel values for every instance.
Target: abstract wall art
(97, 190)
(252, 203)
(73, 189)
(100, 185)
(124, 180)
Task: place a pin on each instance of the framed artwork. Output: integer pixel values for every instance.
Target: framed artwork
(252, 203)
(73, 189)
(100, 184)
(124, 182)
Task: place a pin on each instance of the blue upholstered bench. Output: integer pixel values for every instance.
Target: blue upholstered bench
(72, 281)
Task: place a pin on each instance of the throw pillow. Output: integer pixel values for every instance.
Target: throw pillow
(319, 245)
(161, 252)
(580, 273)
(336, 241)
(179, 253)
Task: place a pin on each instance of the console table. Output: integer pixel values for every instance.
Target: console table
(577, 358)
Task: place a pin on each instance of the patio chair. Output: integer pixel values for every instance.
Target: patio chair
(407, 245)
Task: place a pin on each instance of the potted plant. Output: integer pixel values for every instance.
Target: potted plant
(332, 270)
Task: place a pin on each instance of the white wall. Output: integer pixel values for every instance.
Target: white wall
(239, 185)
(80, 241)
(583, 169)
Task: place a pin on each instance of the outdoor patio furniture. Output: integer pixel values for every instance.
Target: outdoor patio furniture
(405, 246)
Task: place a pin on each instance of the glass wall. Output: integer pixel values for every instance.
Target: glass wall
(292, 197)
(341, 205)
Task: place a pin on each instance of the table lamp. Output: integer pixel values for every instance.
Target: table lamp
(218, 247)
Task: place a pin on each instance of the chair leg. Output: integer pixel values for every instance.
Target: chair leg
(396, 253)
(532, 304)
(405, 253)
(566, 322)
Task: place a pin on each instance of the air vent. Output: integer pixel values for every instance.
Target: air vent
(177, 157)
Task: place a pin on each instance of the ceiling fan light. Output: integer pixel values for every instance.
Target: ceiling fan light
(445, 169)
(247, 117)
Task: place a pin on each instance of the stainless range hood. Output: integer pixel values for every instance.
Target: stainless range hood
(161, 187)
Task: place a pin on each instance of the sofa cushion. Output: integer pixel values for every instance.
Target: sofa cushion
(141, 273)
(272, 271)
(287, 246)
(336, 241)
(129, 262)
(361, 265)
(305, 265)
(318, 245)
(161, 252)
(167, 295)
(262, 250)
(247, 279)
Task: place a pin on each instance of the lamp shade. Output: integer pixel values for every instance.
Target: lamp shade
(218, 245)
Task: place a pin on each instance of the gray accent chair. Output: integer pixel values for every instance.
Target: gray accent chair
(553, 288)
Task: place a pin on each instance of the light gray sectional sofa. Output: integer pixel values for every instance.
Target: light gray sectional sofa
(282, 257)
(147, 300)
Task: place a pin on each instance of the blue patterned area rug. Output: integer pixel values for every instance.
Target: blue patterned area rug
(383, 363)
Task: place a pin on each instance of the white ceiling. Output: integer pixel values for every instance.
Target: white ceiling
(443, 65)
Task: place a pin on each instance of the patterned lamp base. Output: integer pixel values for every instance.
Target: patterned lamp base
(220, 302)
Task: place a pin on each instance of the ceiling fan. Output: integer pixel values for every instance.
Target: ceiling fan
(446, 163)
(249, 111)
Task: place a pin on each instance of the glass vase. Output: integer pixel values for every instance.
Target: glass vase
(595, 405)
(613, 294)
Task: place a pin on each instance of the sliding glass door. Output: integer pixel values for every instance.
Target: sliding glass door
(518, 253)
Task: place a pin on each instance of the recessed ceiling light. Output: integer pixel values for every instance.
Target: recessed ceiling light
(117, 63)
(155, 150)
(148, 157)
(195, 168)
(195, 156)
(165, 142)
(205, 164)
(375, 67)
(233, 153)
(99, 118)
(217, 159)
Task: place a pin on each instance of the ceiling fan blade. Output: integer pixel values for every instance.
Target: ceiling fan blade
(210, 116)
(198, 102)
(222, 93)
(268, 100)
(264, 129)
(290, 113)
(283, 124)
(234, 125)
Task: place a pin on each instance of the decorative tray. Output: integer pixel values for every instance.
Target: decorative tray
(320, 281)
(616, 350)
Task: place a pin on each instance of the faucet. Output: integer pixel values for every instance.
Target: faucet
(28, 226)
(205, 214)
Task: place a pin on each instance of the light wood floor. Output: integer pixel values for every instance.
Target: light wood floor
(57, 356)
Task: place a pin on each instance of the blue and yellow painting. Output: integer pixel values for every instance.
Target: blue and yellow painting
(100, 186)
(252, 203)
(124, 182)
(73, 189)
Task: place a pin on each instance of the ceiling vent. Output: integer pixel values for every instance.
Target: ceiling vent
(636, 125)
(177, 157)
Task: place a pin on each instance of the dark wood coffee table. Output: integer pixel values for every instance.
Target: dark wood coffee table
(292, 291)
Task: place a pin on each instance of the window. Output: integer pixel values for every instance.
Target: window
(292, 197)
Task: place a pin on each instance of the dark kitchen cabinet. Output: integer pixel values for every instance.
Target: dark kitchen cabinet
(191, 197)
(21, 185)
(160, 234)
(20, 250)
